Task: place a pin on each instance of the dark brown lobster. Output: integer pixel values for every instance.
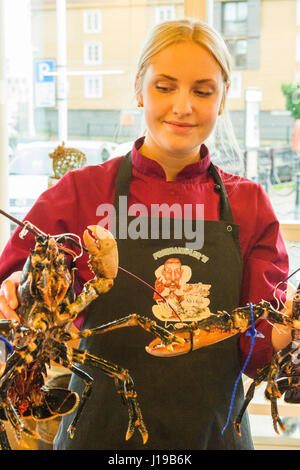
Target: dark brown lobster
(47, 306)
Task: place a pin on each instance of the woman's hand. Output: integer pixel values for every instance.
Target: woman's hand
(8, 296)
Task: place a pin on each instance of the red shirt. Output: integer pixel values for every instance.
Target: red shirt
(73, 204)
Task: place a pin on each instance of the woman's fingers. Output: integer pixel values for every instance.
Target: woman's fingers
(5, 311)
(8, 296)
(9, 289)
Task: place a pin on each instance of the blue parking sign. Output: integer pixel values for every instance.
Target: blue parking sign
(42, 69)
(45, 94)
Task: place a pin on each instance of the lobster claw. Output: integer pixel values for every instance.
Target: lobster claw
(103, 250)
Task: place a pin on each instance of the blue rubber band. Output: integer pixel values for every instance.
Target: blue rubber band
(8, 344)
(253, 333)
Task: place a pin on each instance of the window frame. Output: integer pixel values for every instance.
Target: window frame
(86, 52)
(86, 15)
(168, 12)
(89, 92)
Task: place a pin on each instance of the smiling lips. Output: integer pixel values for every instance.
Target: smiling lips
(180, 126)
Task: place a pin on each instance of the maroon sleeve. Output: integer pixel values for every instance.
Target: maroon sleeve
(53, 213)
(265, 267)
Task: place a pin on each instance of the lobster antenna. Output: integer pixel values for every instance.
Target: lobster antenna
(22, 224)
(36, 232)
(150, 287)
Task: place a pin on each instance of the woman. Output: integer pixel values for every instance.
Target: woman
(182, 82)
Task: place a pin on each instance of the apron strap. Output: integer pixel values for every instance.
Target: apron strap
(225, 209)
(122, 188)
(122, 185)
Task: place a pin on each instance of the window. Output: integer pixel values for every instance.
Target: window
(92, 20)
(93, 53)
(93, 87)
(239, 24)
(238, 50)
(164, 13)
(235, 16)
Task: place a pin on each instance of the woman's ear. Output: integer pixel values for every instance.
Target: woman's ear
(138, 93)
(224, 97)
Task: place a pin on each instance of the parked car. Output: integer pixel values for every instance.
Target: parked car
(30, 168)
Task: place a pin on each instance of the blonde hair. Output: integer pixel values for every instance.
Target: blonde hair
(169, 32)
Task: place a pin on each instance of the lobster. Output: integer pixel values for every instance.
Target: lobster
(47, 306)
(281, 374)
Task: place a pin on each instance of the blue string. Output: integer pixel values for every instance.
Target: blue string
(253, 333)
(8, 344)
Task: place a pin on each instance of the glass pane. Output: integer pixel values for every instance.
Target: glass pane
(235, 18)
(230, 11)
(242, 10)
(241, 47)
(271, 121)
(98, 88)
(265, 119)
(238, 51)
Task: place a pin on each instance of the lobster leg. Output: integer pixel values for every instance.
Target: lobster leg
(12, 416)
(135, 415)
(249, 395)
(272, 392)
(88, 380)
(18, 425)
(274, 413)
(124, 384)
(134, 320)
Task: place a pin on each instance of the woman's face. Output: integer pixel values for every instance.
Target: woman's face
(181, 93)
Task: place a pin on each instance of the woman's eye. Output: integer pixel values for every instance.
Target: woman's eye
(203, 93)
(163, 88)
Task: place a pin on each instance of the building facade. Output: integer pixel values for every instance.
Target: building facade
(103, 42)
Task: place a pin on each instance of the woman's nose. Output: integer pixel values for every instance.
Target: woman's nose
(182, 103)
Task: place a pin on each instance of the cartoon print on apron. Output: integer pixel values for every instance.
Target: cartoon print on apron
(184, 399)
(190, 300)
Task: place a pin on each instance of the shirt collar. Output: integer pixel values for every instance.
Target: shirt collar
(152, 168)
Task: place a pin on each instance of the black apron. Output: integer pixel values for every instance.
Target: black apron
(185, 400)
